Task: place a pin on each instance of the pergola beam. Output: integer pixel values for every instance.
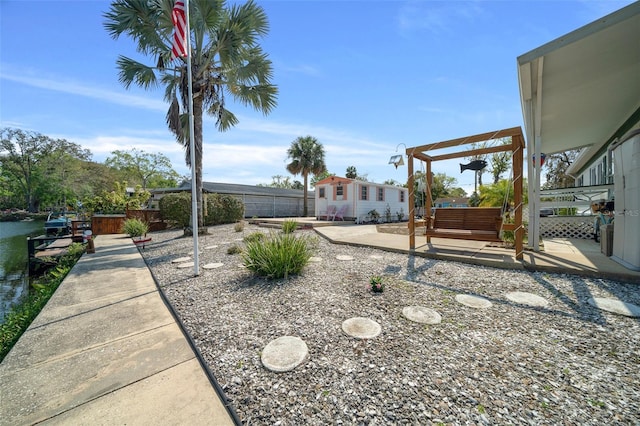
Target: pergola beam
(514, 131)
(472, 152)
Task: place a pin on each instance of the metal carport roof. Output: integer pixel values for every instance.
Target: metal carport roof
(584, 87)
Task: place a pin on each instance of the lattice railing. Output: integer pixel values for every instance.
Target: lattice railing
(567, 227)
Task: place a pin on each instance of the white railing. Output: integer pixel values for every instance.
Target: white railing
(567, 200)
(579, 198)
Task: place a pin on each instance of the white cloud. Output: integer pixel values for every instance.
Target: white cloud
(86, 90)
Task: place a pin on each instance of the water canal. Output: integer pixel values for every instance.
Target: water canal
(14, 280)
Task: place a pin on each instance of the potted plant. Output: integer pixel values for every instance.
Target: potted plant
(137, 230)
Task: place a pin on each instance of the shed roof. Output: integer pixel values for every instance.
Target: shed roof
(583, 89)
(238, 189)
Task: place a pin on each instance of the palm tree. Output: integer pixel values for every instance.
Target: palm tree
(226, 59)
(307, 156)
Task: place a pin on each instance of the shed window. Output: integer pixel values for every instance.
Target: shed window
(339, 190)
(380, 194)
(322, 192)
(363, 192)
(402, 196)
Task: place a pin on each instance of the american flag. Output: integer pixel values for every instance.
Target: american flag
(179, 49)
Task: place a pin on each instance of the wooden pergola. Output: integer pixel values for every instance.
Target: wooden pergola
(516, 147)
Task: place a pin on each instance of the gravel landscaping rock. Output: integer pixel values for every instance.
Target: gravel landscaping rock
(567, 363)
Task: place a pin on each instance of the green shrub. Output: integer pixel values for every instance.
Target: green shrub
(277, 256)
(255, 236)
(234, 249)
(239, 226)
(118, 200)
(289, 226)
(18, 319)
(223, 209)
(135, 227)
(176, 208)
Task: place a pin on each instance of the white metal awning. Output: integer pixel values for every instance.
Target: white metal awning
(579, 89)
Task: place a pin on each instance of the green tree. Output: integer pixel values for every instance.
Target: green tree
(143, 168)
(285, 182)
(442, 186)
(352, 173)
(117, 201)
(38, 166)
(320, 176)
(226, 60)
(478, 173)
(307, 156)
(500, 161)
(499, 194)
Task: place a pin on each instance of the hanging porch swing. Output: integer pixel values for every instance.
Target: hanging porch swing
(469, 223)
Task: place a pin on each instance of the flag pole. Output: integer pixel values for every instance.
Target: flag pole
(192, 149)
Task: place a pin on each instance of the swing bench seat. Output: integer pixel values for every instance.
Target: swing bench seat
(465, 223)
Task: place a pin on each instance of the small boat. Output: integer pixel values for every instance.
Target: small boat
(58, 223)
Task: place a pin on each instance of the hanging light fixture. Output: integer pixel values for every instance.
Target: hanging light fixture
(396, 160)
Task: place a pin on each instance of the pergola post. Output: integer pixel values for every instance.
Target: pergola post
(412, 202)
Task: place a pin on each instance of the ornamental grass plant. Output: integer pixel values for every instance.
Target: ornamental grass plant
(278, 255)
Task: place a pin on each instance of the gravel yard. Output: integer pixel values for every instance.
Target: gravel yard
(566, 363)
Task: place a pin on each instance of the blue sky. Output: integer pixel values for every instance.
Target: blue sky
(360, 76)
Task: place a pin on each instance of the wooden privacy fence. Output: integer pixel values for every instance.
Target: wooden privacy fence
(102, 224)
(150, 216)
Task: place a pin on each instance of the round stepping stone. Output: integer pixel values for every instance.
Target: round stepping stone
(212, 265)
(210, 247)
(344, 257)
(186, 265)
(361, 328)
(616, 306)
(181, 260)
(284, 354)
(315, 259)
(422, 315)
(527, 299)
(473, 301)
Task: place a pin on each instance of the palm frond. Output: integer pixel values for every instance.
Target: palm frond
(132, 71)
(173, 120)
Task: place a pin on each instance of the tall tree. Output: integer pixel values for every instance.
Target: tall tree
(307, 156)
(556, 166)
(226, 59)
(143, 168)
(39, 165)
(478, 173)
(500, 161)
(284, 182)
